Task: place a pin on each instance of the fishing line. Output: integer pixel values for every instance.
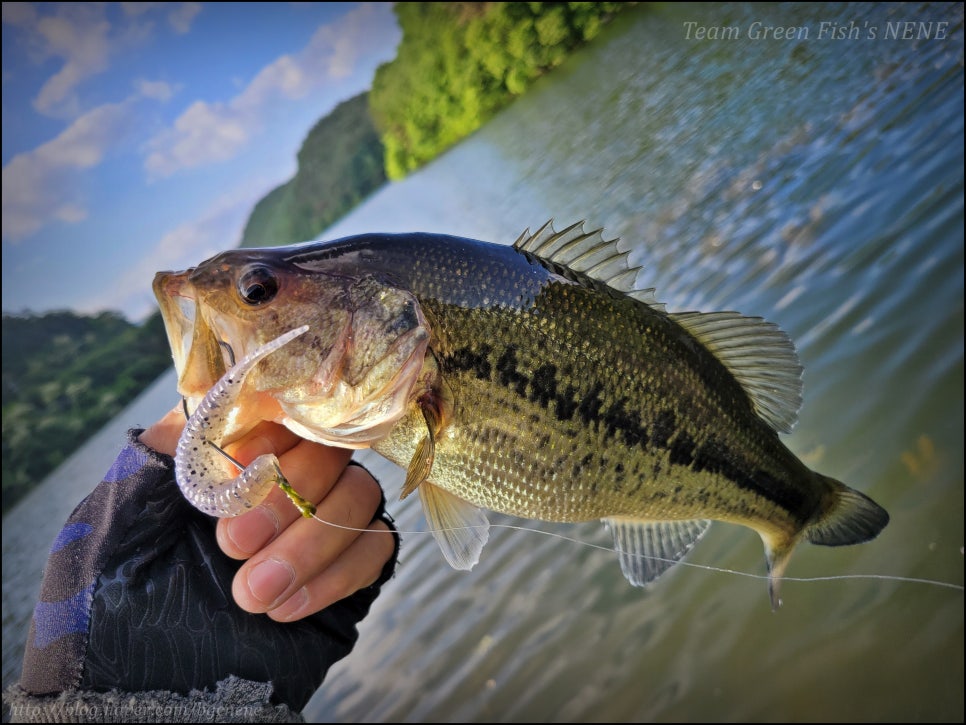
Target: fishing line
(184, 407)
(706, 567)
(553, 534)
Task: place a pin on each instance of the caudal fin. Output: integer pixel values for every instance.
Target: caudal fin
(849, 517)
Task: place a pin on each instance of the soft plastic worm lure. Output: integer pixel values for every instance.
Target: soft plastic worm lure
(198, 460)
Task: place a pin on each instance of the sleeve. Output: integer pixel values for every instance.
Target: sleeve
(136, 607)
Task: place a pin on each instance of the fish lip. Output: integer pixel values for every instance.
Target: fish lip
(178, 304)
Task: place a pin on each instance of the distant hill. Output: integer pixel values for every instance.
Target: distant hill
(64, 376)
(340, 164)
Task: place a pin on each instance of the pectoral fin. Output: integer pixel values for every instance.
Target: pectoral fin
(647, 549)
(460, 528)
(421, 464)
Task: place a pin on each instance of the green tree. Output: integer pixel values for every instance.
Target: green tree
(340, 163)
(64, 376)
(459, 63)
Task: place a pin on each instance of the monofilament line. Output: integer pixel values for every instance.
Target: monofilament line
(706, 567)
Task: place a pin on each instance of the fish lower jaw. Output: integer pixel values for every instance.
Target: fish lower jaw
(349, 437)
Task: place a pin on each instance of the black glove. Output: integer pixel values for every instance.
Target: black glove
(137, 596)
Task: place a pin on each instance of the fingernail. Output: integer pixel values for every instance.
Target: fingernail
(269, 580)
(251, 532)
(293, 607)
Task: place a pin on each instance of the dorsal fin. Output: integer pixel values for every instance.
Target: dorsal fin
(760, 356)
(586, 253)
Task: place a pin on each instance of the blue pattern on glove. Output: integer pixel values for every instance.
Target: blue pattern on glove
(128, 462)
(53, 620)
(69, 534)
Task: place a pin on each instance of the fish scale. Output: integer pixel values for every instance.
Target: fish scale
(536, 380)
(592, 379)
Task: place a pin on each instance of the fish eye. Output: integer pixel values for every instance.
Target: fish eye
(257, 285)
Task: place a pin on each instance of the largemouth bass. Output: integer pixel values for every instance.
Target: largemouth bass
(535, 380)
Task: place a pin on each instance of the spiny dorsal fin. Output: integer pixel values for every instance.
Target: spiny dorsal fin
(647, 549)
(588, 253)
(760, 356)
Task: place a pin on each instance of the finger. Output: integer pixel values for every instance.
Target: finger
(308, 547)
(311, 468)
(164, 434)
(359, 566)
(263, 438)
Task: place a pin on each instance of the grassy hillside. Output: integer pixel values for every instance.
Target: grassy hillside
(340, 164)
(64, 376)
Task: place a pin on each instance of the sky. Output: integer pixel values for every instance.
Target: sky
(137, 137)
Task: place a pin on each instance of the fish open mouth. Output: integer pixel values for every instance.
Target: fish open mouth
(347, 411)
(199, 353)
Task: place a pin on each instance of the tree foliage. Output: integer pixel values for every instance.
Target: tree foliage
(65, 376)
(340, 164)
(459, 63)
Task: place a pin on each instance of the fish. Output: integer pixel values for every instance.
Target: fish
(535, 379)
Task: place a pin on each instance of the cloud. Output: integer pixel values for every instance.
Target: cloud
(182, 16)
(218, 228)
(156, 90)
(284, 77)
(78, 34)
(19, 14)
(203, 134)
(209, 133)
(45, 184)
(134, 10)
(82, 37)
(337, 50)
(71, 213)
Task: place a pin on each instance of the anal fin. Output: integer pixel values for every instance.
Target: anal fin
(647, 549)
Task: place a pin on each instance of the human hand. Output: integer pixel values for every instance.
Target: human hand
(137, 597)
(297, 566)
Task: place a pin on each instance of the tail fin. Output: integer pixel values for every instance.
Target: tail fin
(849, 517)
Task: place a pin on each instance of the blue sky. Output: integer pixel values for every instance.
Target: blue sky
(138, 136)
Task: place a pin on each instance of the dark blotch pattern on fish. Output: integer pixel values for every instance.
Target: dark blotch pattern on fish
(507, 372)
(466, 359)
(545, 388)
